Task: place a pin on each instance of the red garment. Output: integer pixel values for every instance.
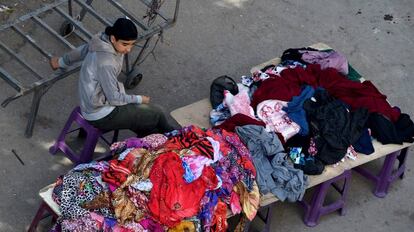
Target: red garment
(355, 94)
(119, 170)
(238, 120)
(225, 147)
(172, 199)
(242, 120)
(220, 217)
(193, 140)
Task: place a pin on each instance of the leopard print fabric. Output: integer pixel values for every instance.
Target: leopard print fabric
(79, 188)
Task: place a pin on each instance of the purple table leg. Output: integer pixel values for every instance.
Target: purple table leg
(387, 174)
(315, 209)
(43, 208)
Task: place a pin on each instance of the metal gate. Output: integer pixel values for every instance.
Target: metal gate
(152, 24)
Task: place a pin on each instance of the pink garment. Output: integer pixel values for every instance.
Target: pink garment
(271, 113)
(329, 59)
(239, 103)
(82, 224)
(99, 219)
(235, 203)
(119, 228)
(196, 164)
(135, 227)
(155, 140)
(150, 225)
(112, 187)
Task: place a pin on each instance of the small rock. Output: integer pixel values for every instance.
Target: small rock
(388, 17)
(376, 30)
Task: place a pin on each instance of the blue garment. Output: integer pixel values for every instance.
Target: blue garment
(219, 114)
(188, 175)
(207, 210)
(124, 153)
(296, 112)
(364, 143)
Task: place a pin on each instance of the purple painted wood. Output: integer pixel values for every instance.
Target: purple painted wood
(92, 136)
(387, 174)
(43, 208)
(316, 208)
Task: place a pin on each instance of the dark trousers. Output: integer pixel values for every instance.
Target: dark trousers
(142, 119)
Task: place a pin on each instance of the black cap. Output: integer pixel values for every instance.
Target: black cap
(123, 29)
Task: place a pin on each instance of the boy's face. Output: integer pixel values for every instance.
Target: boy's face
(122, 46)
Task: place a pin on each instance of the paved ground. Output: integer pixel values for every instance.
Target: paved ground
(213, 38)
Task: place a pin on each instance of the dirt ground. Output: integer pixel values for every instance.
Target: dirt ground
(214, 38)
(11, 9)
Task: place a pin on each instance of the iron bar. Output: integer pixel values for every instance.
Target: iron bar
(31, 41)
(53, 32)
(20, 60)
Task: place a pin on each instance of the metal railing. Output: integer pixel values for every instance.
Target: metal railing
(41, 83)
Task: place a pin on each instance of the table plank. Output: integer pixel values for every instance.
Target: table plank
(197, 113)
(46, 195)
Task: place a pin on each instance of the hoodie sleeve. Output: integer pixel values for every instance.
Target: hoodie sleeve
(73, 56)
(116, 96)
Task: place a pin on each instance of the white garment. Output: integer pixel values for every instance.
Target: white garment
(271, 113)
(239, 103)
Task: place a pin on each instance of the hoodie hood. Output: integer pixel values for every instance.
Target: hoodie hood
(101, 43)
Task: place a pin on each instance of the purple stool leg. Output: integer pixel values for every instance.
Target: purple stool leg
(61, 139)
(39, 216)
(316, 209)
(312, 213)
(89, 146)
(387, 174)
(401, 163)
(91, 133)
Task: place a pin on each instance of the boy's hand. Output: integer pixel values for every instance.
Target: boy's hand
(145, 99)
(54, 62)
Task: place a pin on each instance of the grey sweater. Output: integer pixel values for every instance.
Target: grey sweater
(274, 173)
(99, 89)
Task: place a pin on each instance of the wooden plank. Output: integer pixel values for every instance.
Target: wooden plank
(46, 195)
(274, 61)
(197, 113)
(381, 150)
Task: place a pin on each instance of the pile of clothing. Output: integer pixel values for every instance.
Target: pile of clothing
(316, 104)
(185, 180)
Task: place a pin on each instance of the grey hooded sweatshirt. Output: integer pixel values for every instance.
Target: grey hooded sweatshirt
(99, 89)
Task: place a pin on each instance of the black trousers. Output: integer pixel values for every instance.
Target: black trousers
(142, 119)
